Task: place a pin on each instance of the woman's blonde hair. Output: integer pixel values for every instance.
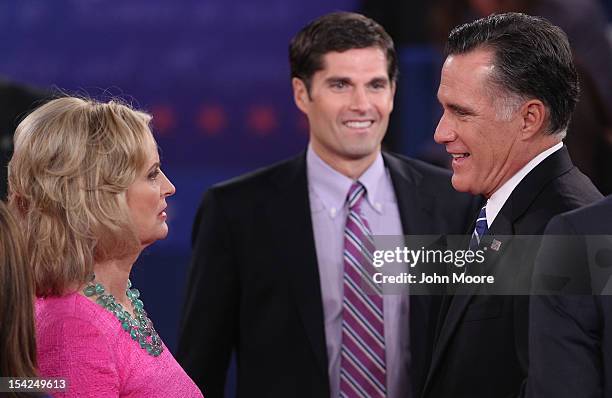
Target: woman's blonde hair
(73, 162)
(17, 342)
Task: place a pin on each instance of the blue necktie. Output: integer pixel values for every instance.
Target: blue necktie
(480, 230)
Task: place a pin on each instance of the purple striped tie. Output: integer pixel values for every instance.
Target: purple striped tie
(362, 364)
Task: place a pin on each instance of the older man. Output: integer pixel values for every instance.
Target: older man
(508, 90)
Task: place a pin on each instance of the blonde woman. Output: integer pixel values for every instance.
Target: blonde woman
(85, 177)
(17, 345)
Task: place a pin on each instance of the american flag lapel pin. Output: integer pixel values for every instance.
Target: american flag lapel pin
(495, 245)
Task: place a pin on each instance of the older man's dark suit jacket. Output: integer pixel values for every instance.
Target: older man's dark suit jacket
(570, 340)
(254, 282)
(481, 347)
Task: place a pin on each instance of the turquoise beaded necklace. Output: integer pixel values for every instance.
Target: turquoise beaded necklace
(140, 328)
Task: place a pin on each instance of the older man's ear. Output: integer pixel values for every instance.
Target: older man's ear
(534, 116)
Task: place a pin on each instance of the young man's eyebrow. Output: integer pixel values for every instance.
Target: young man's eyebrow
(337, 79)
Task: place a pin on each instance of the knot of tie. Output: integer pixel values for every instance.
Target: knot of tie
(355, 194)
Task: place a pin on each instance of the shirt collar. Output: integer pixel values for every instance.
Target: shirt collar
(332, 187)
(499, 197)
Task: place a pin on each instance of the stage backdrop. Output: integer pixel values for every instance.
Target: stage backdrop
(214, 74)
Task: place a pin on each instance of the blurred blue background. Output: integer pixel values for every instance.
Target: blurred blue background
(215, 76)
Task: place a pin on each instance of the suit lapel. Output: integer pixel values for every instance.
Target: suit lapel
(414, 207)
(458, 304)
(299, 253)
(501, 230)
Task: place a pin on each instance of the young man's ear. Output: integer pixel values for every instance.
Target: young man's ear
(534, 114)
(300, 94)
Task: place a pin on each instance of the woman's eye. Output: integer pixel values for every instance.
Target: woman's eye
(154, 174)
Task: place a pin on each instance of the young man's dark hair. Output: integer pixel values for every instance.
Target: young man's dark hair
(532, 59)
(339, 31)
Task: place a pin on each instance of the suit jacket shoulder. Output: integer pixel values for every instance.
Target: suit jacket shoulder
(244, 193)
(552, 187)
(568, 316)
(261, 180)
(595, 218)
(419, 172)
(428, 188)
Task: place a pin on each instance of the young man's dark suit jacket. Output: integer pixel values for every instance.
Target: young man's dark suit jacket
(570, 341)
(254, 282)
(481, 344)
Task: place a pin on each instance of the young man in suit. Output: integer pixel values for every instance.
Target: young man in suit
(508, 89)
(570, 338)
(274, 250)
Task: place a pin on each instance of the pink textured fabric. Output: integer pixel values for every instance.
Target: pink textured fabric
(84, 343)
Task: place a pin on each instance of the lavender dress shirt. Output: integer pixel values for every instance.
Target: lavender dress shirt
(327, 190)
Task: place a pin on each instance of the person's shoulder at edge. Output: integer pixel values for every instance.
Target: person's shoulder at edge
(580, 220)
